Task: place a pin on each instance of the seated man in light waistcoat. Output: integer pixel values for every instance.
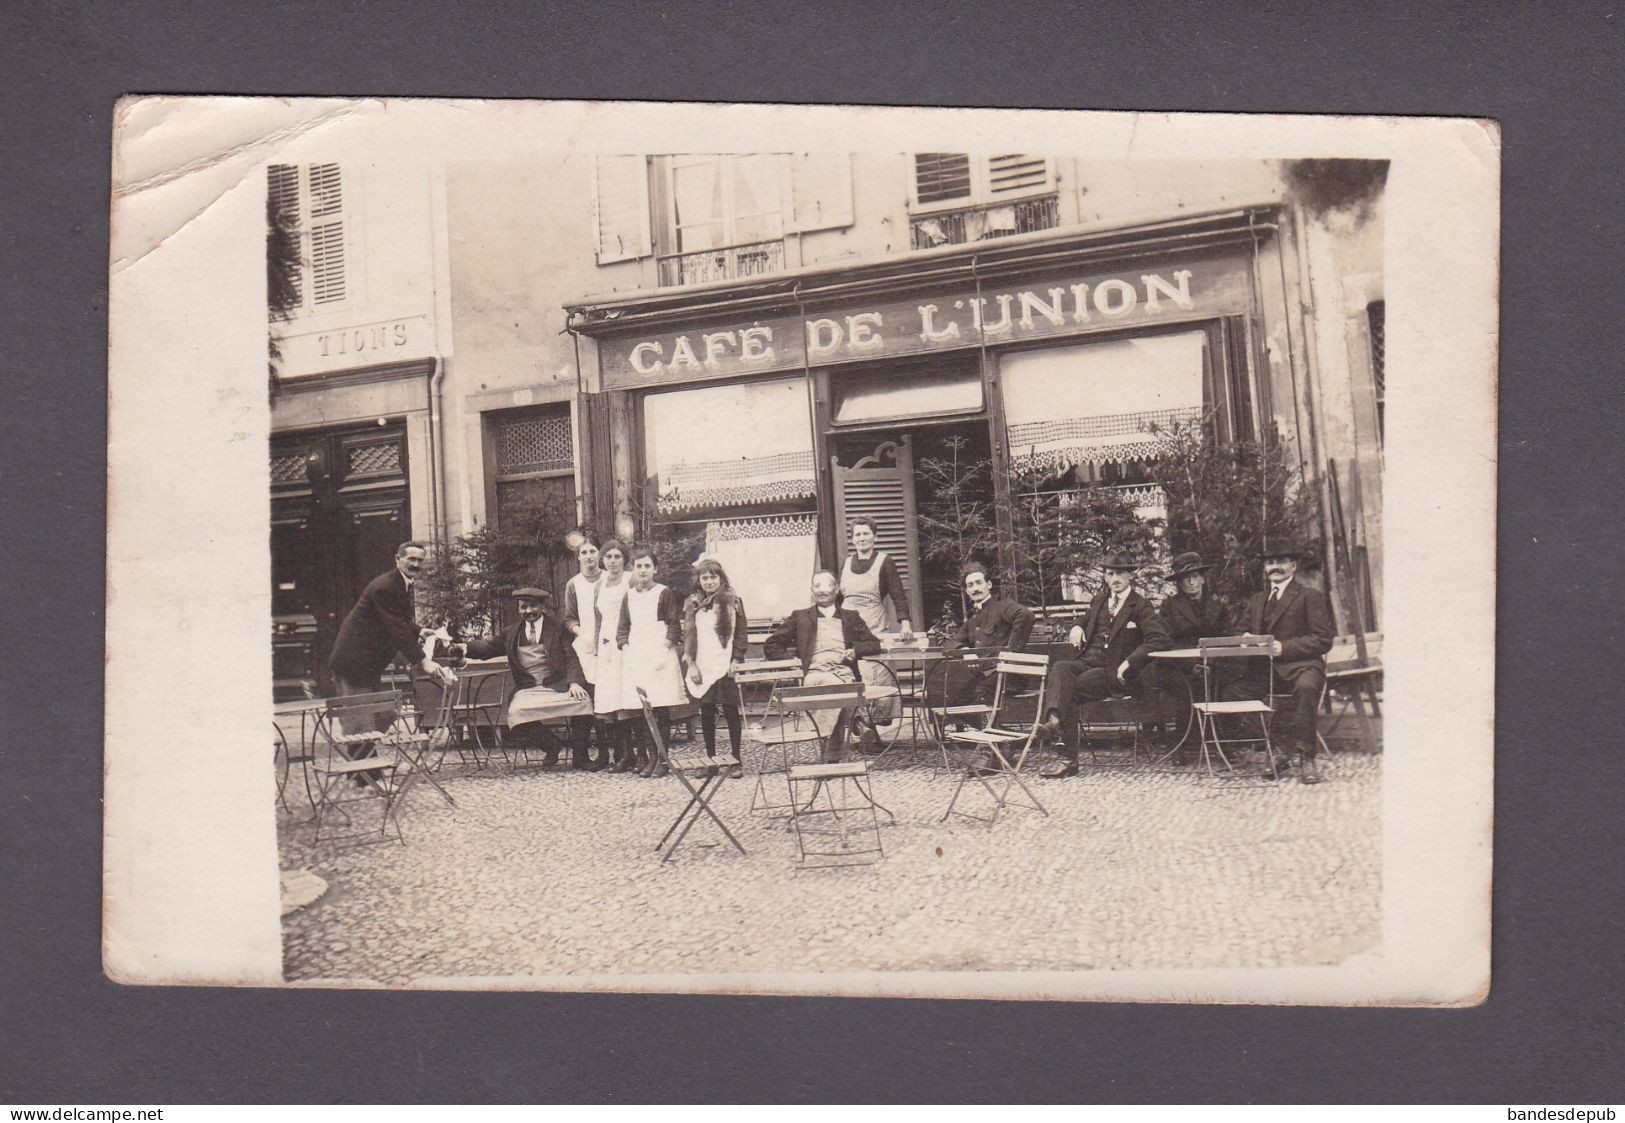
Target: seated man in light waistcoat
(829, 640)
(546, 674)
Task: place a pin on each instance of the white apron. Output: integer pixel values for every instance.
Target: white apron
(584, 641)
(649, 660)
(712, 656)
(861, 593)
(606, 694)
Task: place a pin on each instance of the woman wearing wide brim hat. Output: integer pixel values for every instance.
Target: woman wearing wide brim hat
(1194, 611)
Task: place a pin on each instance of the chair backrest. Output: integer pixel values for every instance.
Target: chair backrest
(768, 670)
(1236, 645)
(1019, 672)
(941, 674)
(653, 724)
(359, 713)
(809, 699)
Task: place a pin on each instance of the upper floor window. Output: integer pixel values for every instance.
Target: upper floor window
(957, 197)
(307, 238)
(716, 217)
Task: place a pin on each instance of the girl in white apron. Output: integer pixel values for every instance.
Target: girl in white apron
(579, 594)
(714, 639)
(608, 600)
(650, 636)
(872, 587)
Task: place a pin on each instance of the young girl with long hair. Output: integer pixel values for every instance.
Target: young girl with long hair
(714, 639)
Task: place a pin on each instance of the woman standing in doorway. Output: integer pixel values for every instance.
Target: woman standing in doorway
(579, 593)
(714, 639)
(650, 636)
(609, 598)
(871, 587)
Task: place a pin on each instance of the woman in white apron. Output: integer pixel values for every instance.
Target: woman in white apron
(714, 638)
(608, 600)
(650, 637)
(579, 593)
(872, 587)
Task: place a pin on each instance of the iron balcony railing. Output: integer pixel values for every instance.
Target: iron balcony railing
(989, 220)
(722, 264)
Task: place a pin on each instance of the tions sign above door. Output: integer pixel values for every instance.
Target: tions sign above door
(356, 345)
(1061, 304)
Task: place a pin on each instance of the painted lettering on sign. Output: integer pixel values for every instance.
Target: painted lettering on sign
(1050, 306)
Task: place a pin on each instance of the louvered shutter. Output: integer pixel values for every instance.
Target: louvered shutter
(328, 282)
(885, 496)
(821, 184)
(283, 187)
(1016, 175)
(941, 176)
(621, 208)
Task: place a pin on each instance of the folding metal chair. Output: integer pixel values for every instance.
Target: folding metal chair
(787, 726)
(416, 735)
(940, 695)
(1006, 739)
(713, 770)
(356, 728)
(1210, 713)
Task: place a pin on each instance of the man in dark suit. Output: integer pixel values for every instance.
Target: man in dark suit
(1300, 620)
(381, 626)
(1115, 637)
(546, 675)
(994, 623)
(829, 640)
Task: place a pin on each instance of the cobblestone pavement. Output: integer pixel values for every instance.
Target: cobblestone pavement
(548, 873)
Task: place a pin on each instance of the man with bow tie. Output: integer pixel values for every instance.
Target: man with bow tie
(546, 676)
(1300, 620)
(1115, 639)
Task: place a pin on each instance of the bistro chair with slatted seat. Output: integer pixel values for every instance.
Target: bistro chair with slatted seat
(1211, 715)
(942, 695)
(787, 731)
(685, 766)
(994, 754)
(422, 737)
(359, 766)
(833, 811)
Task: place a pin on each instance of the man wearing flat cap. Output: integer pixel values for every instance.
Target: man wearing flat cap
(546, 676)
(1115, 638)
(1300, 620)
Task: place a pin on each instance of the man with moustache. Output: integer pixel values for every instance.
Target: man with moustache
(829, 640)
(1300, 620)
(1115, 638)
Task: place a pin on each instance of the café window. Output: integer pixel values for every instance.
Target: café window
(927, 393)
(1097, 413)
(958, 197)
(308, 244)
(737, 459)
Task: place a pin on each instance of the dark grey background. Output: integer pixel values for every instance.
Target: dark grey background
(1551, 1031)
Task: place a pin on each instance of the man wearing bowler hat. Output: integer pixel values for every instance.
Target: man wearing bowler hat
(1115, 638)
(546, 676)
(1300, 620)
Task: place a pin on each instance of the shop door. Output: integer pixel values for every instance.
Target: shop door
(880, 487)
(339, 508)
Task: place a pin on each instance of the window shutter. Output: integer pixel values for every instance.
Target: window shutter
(940, 176)
(1017, 175)
(621, 208)
(821, 184)
(328, 283)
(287, 289)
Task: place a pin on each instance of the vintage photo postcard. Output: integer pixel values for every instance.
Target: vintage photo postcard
(805, 550)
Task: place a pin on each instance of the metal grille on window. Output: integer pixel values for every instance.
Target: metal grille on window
(374, 459)
(288, 468)
(538, 443)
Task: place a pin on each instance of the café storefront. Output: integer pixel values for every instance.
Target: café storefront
(772, 412)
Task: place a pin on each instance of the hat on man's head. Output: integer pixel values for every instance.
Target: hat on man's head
(531, 592)
(1120, 559)
(1286, 548)
(1189, 562)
